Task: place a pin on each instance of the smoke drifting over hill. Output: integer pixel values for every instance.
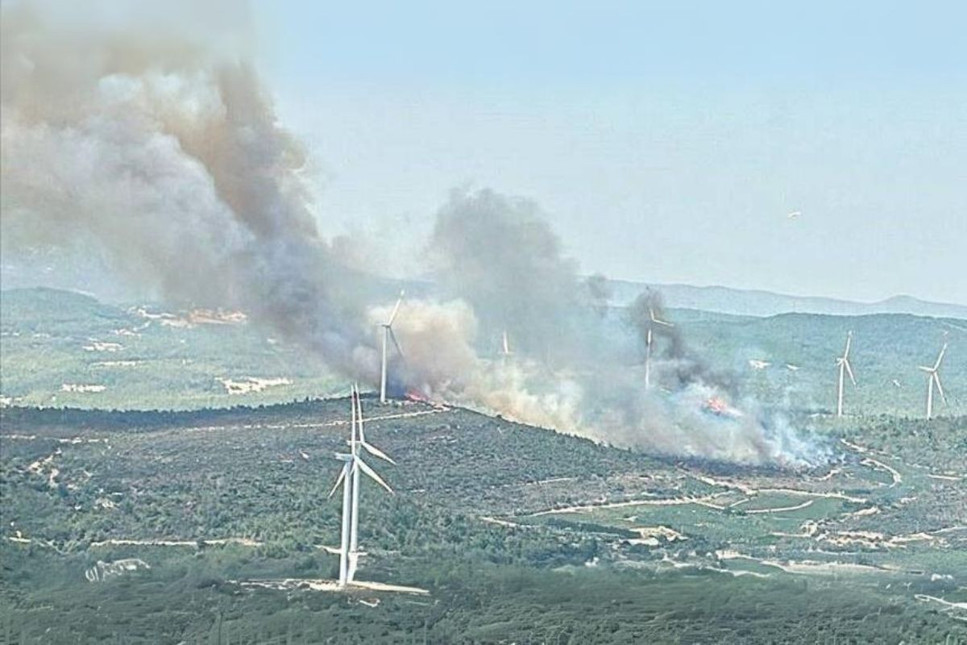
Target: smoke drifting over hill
(572, 371)
(165, 152)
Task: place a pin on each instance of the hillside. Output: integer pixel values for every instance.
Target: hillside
(800, 352)
(215, 527)
(60, 348)
(748, 302)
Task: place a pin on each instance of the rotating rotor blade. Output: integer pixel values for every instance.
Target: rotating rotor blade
(849, 370)
(849, 341)
(396, 343)
(396, 309)
(339, 480)
(372, 475)
(928, 370)
(376, 452)
(936, 379)
(943, 351)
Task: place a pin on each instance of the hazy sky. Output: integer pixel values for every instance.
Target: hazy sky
(666, 141)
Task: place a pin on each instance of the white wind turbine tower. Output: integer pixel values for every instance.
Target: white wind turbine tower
(349, 479)
(844, 369)
(933, 379)
(648, 342)
(387, 336)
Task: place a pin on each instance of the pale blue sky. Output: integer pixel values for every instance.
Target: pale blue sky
(667, 141)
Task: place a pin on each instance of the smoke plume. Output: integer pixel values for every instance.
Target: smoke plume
(167, 154)
(499, 255)
(154, 142)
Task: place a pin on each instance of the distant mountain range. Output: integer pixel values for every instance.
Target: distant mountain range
(747, 302)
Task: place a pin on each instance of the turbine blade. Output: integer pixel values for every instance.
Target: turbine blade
(376, 452)
(396, 343)
(339, 480)
(359, 416)
(849, 341)
(943, 350)
(849, 370)
(352, 427)
(651, 314)
(396, 309)
(936, 379)
(353, 558)
(928, 370)
(372, 474)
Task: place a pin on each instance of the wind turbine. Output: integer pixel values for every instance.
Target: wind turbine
(349, 479)
(387, 336)
(933, 378)
(844, 369)
(648, 341)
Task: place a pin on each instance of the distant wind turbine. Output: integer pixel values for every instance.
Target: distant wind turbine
(349, 479)
(933, 379)
(844, 369)
(648, 342)
(387, 336)
(504, 344)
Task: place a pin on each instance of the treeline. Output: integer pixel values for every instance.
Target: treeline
(25, 418)
(471, 602)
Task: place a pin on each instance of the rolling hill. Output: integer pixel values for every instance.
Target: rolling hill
(749, 302)
(62, 348)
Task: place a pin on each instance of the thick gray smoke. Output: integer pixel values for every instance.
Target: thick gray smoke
(499, 254)
(599, 293)
(159, 146)
(677, 367)
(167, 154)
(570, 369)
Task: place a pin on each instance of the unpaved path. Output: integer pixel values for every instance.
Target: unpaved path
(797, 507)
(897, 478)
(750, 491)
(677, 501)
